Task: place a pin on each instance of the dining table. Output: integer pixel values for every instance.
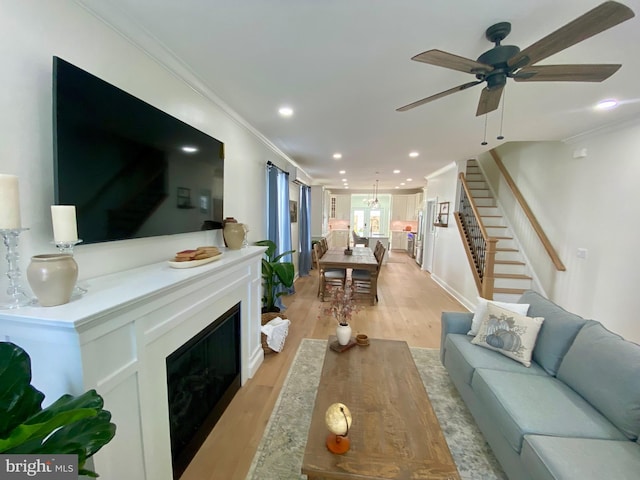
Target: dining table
(361, 258)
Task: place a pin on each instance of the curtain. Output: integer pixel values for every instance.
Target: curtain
(304, 231)
(278, 219)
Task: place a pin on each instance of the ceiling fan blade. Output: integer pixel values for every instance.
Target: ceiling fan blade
(459, 88)
(566, 73)
(601, 18)
(454, 62)
(489, 100)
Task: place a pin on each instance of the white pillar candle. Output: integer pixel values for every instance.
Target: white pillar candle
(9, 202)
(65, 229)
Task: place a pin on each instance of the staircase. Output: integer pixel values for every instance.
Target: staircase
(510, 272)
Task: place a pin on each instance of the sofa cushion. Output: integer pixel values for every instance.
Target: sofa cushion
(584, 458)
(521, 404)
(481, 311)
(605, 369)
(508, 333)
(557, 333)
(462, 358)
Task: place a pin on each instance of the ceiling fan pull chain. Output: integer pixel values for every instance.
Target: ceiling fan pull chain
(484, 142)
(504, 100)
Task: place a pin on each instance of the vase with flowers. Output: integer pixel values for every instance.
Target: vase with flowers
(342, 306)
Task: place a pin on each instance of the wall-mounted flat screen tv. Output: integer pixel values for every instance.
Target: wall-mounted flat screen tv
(130, 169)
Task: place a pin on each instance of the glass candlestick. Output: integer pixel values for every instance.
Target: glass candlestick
(19, 298)
(67, 247)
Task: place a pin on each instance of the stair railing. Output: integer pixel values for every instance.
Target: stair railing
(479, 246)
(529, 214)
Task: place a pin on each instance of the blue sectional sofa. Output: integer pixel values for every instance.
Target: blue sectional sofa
(573, 414)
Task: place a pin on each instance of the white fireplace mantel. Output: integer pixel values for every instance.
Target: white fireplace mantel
(116, 338)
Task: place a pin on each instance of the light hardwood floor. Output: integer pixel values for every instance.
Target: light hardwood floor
(409, 309)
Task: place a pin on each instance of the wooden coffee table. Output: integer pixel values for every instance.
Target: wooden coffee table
(395, 433)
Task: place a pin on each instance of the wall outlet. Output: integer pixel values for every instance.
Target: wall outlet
(582, 253)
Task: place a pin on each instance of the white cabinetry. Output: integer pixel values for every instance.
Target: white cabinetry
(340, 207)
(411, 208)
(399, 208)
(406, 207)
(338, 238)
(398, 240)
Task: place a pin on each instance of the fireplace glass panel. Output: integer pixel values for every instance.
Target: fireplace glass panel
(202, 377)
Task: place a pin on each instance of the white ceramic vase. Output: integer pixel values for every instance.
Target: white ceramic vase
(343, 332)
(52, 278)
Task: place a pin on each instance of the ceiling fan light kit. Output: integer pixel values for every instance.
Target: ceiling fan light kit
(501, 62)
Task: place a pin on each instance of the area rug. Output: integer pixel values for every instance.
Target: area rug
(279, 455)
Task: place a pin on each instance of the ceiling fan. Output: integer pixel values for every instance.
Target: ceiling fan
(507, 61)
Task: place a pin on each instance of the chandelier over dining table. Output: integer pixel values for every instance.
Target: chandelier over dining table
(373, 202)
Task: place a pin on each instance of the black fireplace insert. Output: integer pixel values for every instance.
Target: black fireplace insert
(203, 375)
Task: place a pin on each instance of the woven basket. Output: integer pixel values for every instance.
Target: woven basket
(266, 318)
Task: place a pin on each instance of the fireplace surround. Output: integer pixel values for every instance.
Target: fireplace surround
(117, 337)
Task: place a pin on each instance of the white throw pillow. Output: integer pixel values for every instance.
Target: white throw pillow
(481, 311)
(509, 333)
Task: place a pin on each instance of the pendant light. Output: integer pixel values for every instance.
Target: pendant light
(375, 203)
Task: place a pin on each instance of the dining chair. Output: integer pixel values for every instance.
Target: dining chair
(361, 280)
(328, 276)
(358, 240)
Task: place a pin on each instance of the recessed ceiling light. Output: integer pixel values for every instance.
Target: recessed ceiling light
(337, 156)
(397, 186)
(414, 154)
(189, 149)
(285, 111)
(344, 179)
(409, 179)
(396, 171)
(342, 172)
(607, 104)
(401, 183)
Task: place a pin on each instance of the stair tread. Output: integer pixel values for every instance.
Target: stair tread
(491, 216)
(515, 291)
(498, 249)
(517, 276)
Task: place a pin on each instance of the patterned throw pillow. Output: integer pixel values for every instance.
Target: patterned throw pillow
(509, 333)
(481, 312)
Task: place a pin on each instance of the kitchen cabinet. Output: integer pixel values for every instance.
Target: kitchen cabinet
(338, 238)
(411, 208)
(340, 207)
(399, 208)
(399, 240)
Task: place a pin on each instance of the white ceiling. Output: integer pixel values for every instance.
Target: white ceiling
(344, 67)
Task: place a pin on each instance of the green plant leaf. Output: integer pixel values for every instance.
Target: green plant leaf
(18, 399)
(271, 247)
(285, 272)
(28, 432)
(72, 424)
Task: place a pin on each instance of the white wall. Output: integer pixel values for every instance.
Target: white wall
(450, 266)
(591, 203)
(34, 31)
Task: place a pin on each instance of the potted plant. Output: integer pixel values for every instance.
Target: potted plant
(274, 274)
(70, 425)
(342, 306)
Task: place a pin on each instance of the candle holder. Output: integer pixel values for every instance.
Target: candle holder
(19, 298)
(67, 247)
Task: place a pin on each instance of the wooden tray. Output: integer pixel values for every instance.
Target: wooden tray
(336, 347)
(194, 263)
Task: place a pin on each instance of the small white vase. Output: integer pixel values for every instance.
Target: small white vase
(343, 332)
